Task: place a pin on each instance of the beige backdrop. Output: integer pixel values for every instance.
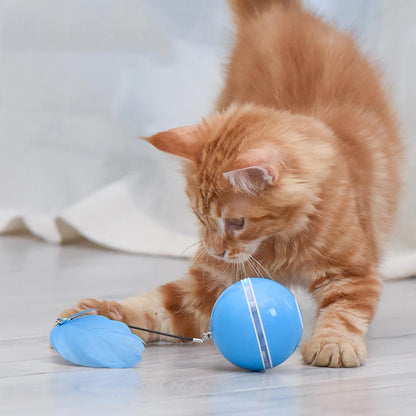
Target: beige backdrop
(82, 80)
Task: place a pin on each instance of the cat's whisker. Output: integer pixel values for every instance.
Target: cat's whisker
(226, 268)
(219, 189)
(190, 246)
(201, 255)
(262, 267)
(259, 272)
(244, 269)
(254, 267)
(268, 274)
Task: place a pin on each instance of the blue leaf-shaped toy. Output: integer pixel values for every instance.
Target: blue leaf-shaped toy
(96, 341)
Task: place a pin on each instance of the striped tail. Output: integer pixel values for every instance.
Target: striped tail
(245, 9)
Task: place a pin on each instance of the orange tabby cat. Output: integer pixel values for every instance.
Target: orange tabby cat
(296, 176)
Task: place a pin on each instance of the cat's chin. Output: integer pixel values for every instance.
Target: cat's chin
(235, 259)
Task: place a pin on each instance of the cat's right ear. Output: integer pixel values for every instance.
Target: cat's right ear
(184, 142)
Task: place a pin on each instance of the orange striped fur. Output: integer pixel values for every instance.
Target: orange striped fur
(295, 177)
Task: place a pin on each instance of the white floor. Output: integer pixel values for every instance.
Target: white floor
(38, 280)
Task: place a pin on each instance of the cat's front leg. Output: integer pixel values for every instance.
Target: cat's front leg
(145, 311)
(182, 307)
(346, 306)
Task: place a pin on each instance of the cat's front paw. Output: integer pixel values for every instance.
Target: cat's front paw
(334, 351)
(108, 308)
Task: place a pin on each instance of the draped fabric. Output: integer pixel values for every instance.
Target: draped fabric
(81, 81)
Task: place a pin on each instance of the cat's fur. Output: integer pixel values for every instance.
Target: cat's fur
(304, 147)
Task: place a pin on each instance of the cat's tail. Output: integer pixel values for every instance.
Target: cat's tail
(245, 9)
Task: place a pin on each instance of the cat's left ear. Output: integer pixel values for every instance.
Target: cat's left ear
(256, 170)
(184, 141)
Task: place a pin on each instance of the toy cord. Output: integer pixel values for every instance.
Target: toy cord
(205, 335)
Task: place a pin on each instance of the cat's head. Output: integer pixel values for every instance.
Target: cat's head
(252, 173)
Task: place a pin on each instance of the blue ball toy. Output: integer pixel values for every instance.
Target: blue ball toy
(256, 324)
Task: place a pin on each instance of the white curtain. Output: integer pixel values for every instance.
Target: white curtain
(82, 80)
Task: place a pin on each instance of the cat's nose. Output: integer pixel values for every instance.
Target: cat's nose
(218, 253)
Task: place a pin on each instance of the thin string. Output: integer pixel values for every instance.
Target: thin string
(164, 334)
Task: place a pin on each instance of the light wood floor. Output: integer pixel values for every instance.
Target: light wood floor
(38, 280)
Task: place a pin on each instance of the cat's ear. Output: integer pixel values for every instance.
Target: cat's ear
(184, 141)
(256, 170)
(252, 180)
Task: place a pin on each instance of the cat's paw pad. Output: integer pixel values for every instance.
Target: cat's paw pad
(66, 313)
(334, 351)
(110, 309)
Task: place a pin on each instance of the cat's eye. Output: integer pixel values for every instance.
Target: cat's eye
(234, 224)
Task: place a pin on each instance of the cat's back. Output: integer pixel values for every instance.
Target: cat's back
(287, 58)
